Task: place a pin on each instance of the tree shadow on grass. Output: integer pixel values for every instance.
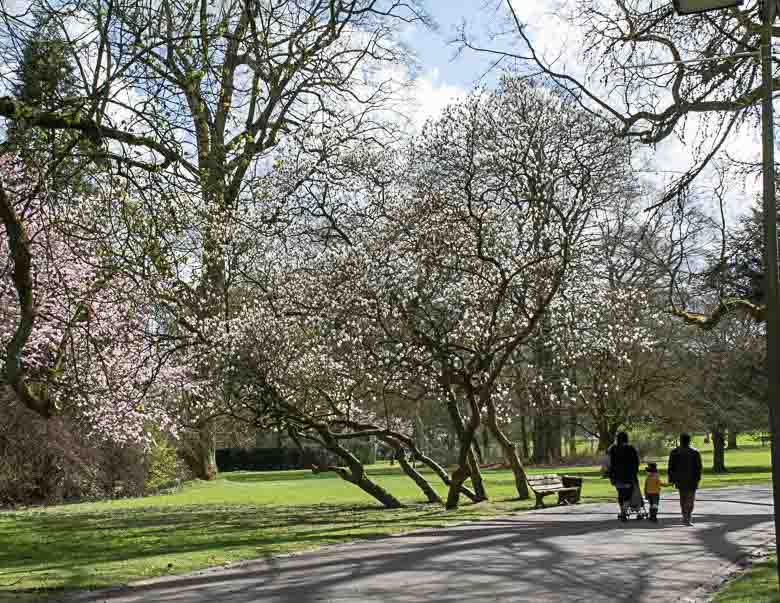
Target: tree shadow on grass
(66, 543)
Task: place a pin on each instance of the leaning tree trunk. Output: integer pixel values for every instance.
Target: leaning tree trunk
(415, 476)
(394, 438)
(477, 450)
(510, 452)
(445, 478)
(718, 451)
(469, 463)
(458, 479)
(373, 489)
(733, 439)
(355, 473)
(475, 474)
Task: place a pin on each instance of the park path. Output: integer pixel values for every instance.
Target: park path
(579, 553)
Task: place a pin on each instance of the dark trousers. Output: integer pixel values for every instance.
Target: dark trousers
(653, 500)
(687, 499)
(624, 493)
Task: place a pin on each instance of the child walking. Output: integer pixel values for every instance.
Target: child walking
(653, 485)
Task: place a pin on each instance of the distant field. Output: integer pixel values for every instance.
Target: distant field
(245, 515)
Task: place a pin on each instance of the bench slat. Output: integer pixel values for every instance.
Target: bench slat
(545, 485)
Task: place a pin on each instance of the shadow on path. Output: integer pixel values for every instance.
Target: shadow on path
(560, 554)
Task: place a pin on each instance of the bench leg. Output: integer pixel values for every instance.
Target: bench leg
(539, 502)
(568, 498)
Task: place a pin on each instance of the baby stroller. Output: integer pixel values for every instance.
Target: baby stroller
(637, 505)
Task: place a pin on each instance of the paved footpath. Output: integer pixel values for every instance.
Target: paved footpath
(579, 553)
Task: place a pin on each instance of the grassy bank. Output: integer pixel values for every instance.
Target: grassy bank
(759, 585)
(245, 515)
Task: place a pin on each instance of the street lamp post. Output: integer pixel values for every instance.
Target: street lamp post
(768, 14)
(770, 255)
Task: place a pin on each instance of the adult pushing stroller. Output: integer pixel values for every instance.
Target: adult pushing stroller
(636, 506)
(622, 469)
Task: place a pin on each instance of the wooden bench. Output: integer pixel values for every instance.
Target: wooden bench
(566, 486)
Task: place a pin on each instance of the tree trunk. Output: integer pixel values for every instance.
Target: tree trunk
(467, 464)
(605, 439)
(475, 474)
(718, 451)
(524, 439)
(556, 437)
(477, 450)
(541, 451)
(572, 432)
(378, 492)
(439, 470)
(733, 439)
(356, 473)
(418, 479)
(458, 479)
(205, 451)
(466, 458)
(510, 452)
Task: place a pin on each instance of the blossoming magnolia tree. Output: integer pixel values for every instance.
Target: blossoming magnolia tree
(602, 342)
(504, 187)
(199, 117)
(74, 336)
(443, 275)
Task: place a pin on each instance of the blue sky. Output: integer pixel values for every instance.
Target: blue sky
(437, 57)
(443, 73)
(443, 77)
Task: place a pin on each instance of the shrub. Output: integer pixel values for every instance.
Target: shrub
(271, 459)
(164, 465)
(650, 445)
(49, 462)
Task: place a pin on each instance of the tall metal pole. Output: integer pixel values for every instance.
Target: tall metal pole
(770, 256)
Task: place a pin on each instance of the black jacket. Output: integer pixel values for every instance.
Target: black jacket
(623, 463)
(685, 468)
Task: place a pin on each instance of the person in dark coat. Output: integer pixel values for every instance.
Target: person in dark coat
(623, 471)
(685, 473)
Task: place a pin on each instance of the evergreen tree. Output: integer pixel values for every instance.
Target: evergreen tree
(740, 273)
(46, 79)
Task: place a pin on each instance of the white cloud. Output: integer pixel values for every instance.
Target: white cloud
(430, 96)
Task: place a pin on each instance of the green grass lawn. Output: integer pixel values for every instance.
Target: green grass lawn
(245, 515)
(759, 585)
